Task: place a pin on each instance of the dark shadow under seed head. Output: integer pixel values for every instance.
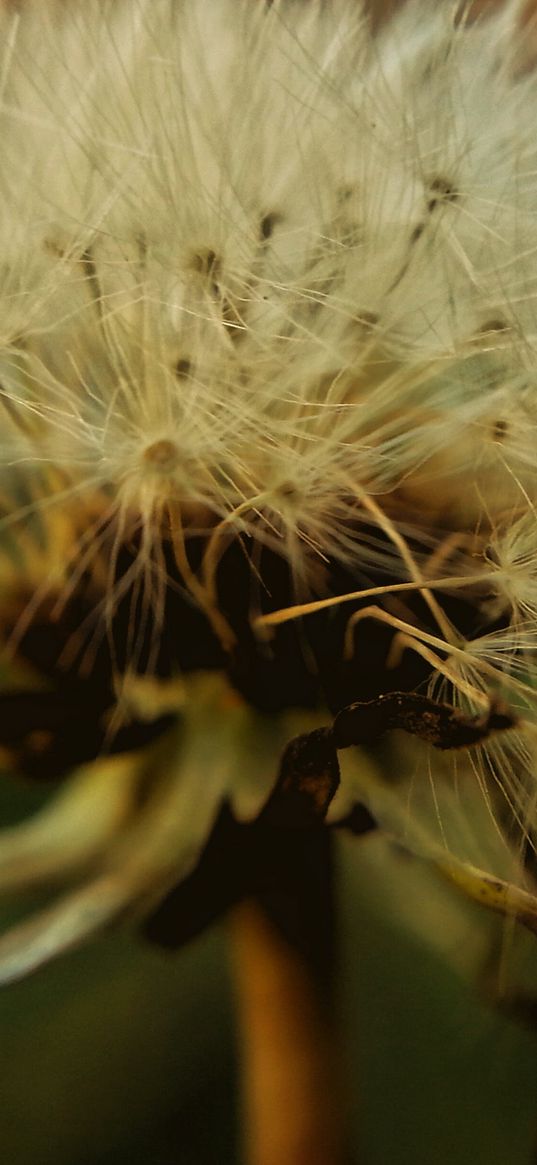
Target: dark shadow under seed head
(368, 319)
(182, 368)
(267, 225)
(345, 193)
(500, 429)
(441, 190)
(497, 325)
(54, 248)
(287, 489)
(416, 234)
(205, 262)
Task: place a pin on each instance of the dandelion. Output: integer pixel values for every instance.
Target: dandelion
(269, 417)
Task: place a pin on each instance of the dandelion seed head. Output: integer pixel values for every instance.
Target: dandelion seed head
(268, 328)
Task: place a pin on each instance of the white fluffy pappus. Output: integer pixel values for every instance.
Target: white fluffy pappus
(267, 276)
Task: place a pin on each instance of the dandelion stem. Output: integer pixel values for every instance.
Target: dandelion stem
(290, 1109)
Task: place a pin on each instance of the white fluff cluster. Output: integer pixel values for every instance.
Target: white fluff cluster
(257, 263)
(263, 272)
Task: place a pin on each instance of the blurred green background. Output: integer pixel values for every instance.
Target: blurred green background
(120, 1053)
